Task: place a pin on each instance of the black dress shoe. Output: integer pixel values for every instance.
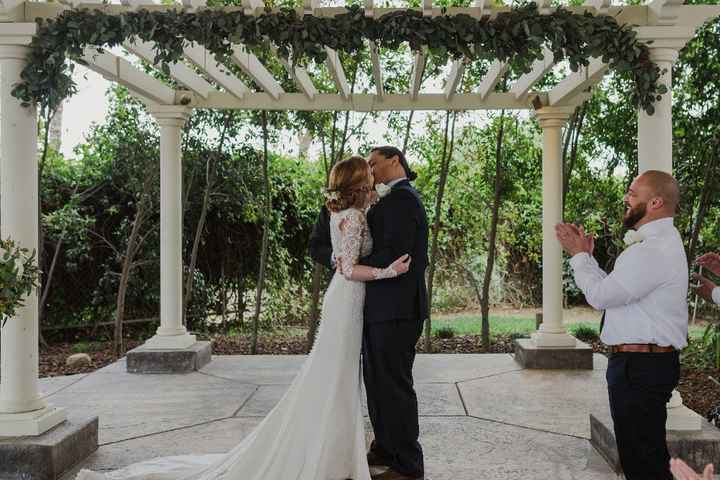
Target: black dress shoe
(391, 474)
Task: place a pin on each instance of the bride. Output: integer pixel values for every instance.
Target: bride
(316, 431)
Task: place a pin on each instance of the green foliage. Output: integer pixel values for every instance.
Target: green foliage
(516, 36)
(711, 343)
(18, 277)
(445, 332)
(584, 333)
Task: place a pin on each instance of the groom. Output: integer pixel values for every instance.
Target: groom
(394, 313)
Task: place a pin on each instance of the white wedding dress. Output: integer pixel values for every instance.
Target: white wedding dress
(316, 431)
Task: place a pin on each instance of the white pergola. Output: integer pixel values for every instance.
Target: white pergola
(206, 84)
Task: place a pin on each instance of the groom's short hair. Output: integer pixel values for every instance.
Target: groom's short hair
(390, 151)
(665, 186)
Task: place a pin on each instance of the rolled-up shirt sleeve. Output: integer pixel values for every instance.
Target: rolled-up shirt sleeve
(716, 295)
(600, 289)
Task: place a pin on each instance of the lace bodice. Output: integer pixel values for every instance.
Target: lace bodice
(353, 240)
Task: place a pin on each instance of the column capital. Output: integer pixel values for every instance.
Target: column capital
(15, 39)
(170, 115)
(665, 40)
(549, 117)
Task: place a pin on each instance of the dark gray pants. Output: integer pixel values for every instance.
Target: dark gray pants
(388, 357)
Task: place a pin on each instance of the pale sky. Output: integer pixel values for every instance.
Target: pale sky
(86, 107)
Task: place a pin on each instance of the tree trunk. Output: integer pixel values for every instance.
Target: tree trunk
(706, 197)
(406, 140)
(444, 168)
(49, 114)
(571, 140)
(133, 247)
(223, 297)
(241, 304)
(265, 238)
(485, 300)
(209, 184)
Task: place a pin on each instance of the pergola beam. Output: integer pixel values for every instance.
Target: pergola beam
(377, 70)
(336, 70)
(578, 81)
(299, 76)
(539, 68)
(416, 77)
(125, 73)
(252, 67)
(374, 54)
(365, 102)
(457, 70)
(180, 72)
(204, 59)
(491, 78)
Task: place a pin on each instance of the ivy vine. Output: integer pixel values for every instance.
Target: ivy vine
(516, 36)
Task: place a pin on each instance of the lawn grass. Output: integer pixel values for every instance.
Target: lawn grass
(471, 325)
(506, 325)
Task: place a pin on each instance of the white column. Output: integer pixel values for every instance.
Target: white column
(171, 334)
(22, 410)
(655, 139)
(655, 136)
(552, 332)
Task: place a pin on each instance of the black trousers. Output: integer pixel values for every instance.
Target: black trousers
(639, 386)
(388, 357)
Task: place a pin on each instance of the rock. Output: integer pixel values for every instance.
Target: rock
(78, 359)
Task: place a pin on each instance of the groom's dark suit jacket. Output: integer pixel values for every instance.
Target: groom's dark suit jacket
(398, 224)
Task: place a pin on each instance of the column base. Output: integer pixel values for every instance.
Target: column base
(529, 355)
(48, 456)
(682, 419)
(180, 360)
(543, 339)
(697, 448)
(32, 423)
(170, 342)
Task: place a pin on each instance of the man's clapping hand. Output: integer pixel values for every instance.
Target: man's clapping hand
(573, 239)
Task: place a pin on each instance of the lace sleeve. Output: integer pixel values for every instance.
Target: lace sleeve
(352, 228)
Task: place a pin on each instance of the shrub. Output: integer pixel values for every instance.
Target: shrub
(516, 335)
(584, 333)
(445, 332)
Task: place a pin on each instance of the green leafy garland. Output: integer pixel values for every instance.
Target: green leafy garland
(515, 36)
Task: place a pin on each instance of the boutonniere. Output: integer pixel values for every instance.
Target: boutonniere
(632, 237)
(382, 189)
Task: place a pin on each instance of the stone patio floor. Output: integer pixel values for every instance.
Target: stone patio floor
(481, 416)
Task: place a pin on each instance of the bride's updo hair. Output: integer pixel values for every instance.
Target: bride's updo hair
(348, 185)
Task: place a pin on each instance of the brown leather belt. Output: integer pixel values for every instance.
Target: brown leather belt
(640, 347)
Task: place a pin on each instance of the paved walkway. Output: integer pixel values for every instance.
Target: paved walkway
(482, 416)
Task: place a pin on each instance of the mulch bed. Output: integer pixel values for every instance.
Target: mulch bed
(699, 391)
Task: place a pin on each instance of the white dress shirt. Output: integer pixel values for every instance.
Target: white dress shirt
(716, 295)
(645, 296)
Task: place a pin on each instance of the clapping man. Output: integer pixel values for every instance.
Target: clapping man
(646, 319)
(707, 289)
